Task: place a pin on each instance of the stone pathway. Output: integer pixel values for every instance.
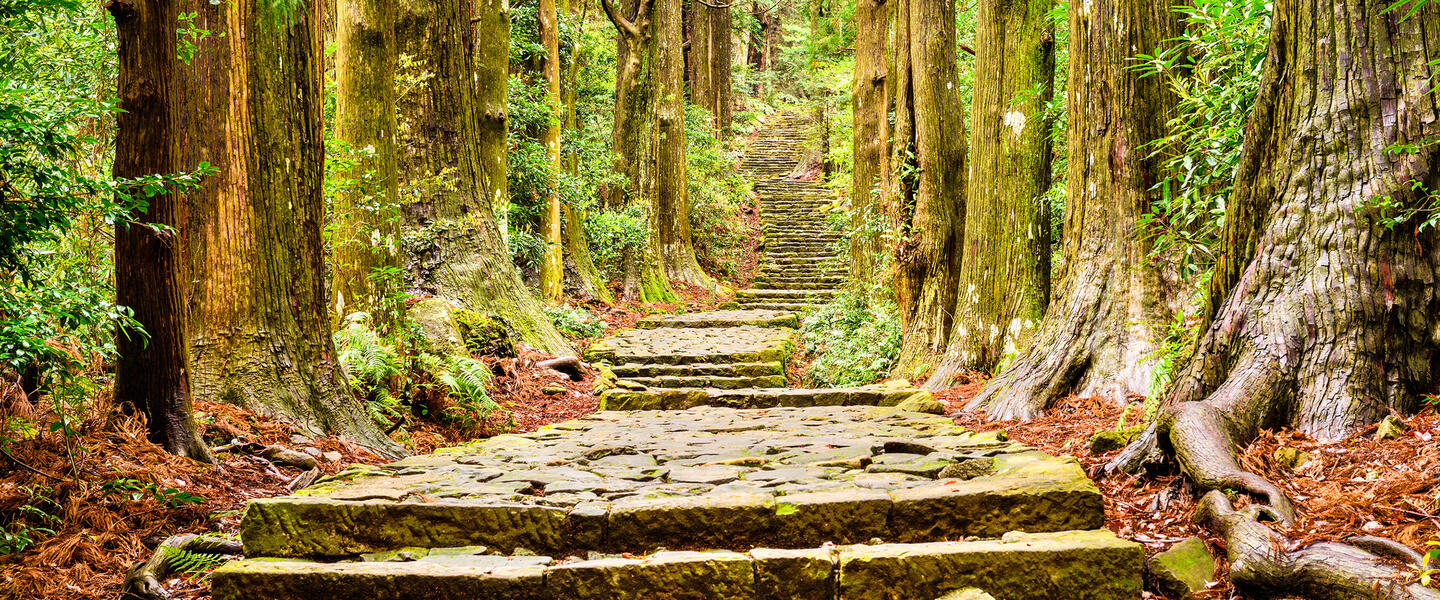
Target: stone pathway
(701, 478)
(800, 267)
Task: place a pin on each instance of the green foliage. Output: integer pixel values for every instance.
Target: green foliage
(1214, 69)
(611, 232)
(717, 191)
(463, 379)
(374, 367)
(1432, 557)
(575, 321)
(34, 519)
(855, 338)
(135, 490)
(191, 563)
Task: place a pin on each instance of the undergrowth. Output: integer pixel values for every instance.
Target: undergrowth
(855, 339)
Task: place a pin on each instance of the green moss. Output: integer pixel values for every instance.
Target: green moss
(486, 335)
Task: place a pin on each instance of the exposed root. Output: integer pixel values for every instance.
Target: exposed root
(1262, 563)
(143, 580)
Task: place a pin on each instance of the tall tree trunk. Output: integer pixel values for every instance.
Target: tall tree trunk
(454, 131)
(1005, 271)
(1102, 328)
(367, 215)
(152, 372)
(552, 273)
(870, 143)
(259, 326)
(721, 59)
(710, 61)
(928, 188)
(1324, 310)
(670, 235)
(581, 269)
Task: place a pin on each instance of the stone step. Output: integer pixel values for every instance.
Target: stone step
(690, 345)
(810, 285)
(725, 318)
(799, 307)
(683, 398)
(631, 370)
(709, 381)
(780, 294)
(1070, 565)
(711, 478)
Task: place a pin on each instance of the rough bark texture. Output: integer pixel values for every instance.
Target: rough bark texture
(670, 205)
(367, 215)
(1331, 323)
(152, 372)
(453, 133)
(710, 59)
(1101, 330)
(258, 316)
(927, 203)
(1005, 271)
(552, 276)
(870, 143)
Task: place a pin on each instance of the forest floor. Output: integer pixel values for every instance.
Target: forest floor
(1357, 486)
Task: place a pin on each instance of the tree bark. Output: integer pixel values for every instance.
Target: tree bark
(152, 372)
(454, 130)
(927, 204)
(710, 62)
(1328, 327)
(670, 209)
(552, 273)
(870, 142)
(367, 215)
(258, 317)
(1005, 271)
(1102, 327)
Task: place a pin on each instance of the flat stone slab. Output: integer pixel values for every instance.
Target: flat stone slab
(704, 478)
(670, 398)
(1074, 565)
(688, 345)
(723, 318)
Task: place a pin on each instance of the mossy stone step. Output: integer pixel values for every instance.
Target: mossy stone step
(796, 307)
(685, 398)
(709, 381)
(701, 478)
(724, 318)
(820, 295)
(689, 345)
(1071, 565)
(757, 369)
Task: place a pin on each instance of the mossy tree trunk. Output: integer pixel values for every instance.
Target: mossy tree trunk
(927, 187)
(1323, 309)
(870, 142)
(1005, 270)
(258, 320)
(366, 237)
(453, 129)
(1103, 326)
(152, 372)
(552, 273)
(670, 234)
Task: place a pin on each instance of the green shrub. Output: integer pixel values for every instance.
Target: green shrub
(855, 339)
(575, 321)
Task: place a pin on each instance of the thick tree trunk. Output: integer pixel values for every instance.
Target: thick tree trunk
(258, 318)
(1005, 271)
(670, 236)
(927, 204)
(552, 272)
(367, 216)
(152, 372)
(710, 61)
(1101, 330)
(1328, 327)
(454, 135)
(870, 143)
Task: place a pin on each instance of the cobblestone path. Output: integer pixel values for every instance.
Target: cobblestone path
(701, 478)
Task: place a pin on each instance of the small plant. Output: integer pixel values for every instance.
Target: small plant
(576, 322)
(855, 339)
(1432, 557)
(374, 367)
(136, 490)
(192, 564)
(463, 379)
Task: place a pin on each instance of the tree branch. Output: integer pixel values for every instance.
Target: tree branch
(626, 28)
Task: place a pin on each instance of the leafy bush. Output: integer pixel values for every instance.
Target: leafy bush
(855, 338)
(575, 321)
(717, 191)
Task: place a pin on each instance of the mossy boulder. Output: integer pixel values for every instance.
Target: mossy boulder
(1110, 441)
(436, 318)
(1183, 569)
(486, 335)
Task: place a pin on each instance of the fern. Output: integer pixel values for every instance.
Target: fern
(374, 367)
(191, 563)
(464, 379)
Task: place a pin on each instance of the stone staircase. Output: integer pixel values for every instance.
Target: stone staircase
(800, 266)
(701, 478)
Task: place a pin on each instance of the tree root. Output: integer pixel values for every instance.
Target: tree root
(143, 580)
(1262, 564)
